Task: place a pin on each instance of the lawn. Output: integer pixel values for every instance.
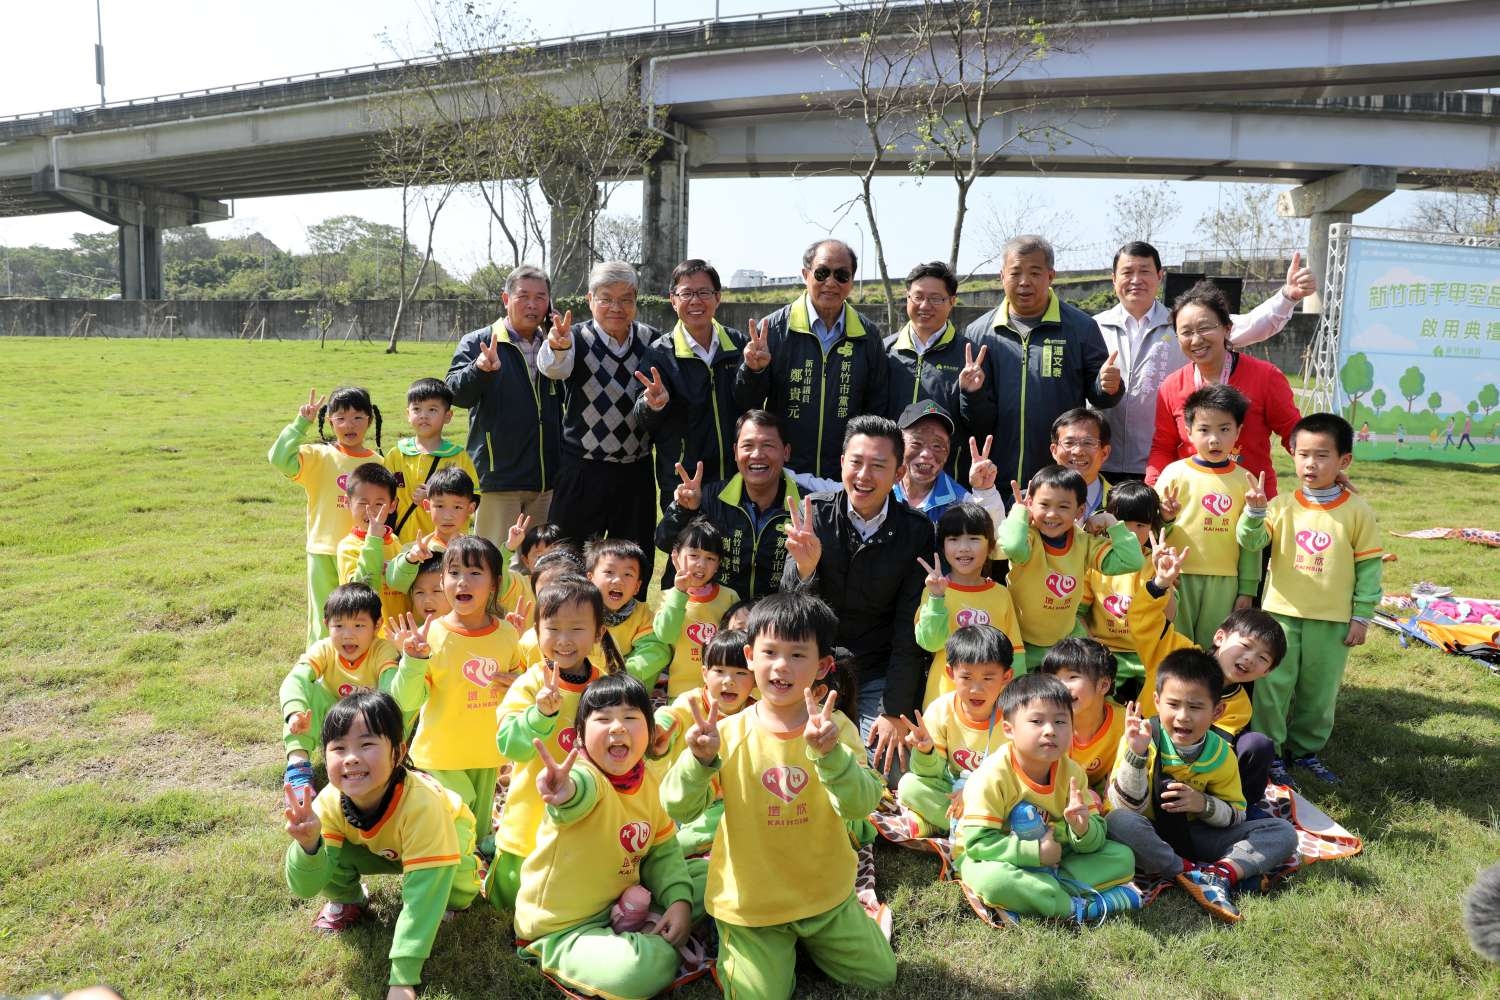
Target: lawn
(153, 571)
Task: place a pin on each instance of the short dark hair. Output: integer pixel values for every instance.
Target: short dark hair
(1133, 500)
(424, 389)
(842, 679)
(451, 482)
(1034, 687)
(350, 599)
(967, 518)
(1330, 424)
(700, 533)
(371, 474)
(1136, 248)
(934, 269)
(1208, 295)
(1079, 415)
(1221, 397)
(761, 418)
(610, 691)
(1089, 657)
(545, 533)
(1253, 623)
(381, 714)
(972, 645)
(563, 557)
(432, 564)
(1192, 666)
(1060, 477)
(743, 604)
(692, 266)
(621, 548)
(812, 251)
(727, 649)
(793, 616)
(566, 590)
(872, 426)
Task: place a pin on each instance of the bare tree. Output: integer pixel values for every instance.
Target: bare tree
(1246, 230)
(1143, 213)
(1019, 214)
(618, 237)
(1468, 204)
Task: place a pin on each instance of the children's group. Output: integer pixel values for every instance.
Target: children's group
(1081, 685)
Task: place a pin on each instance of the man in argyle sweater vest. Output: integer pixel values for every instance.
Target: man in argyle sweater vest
(605, 485)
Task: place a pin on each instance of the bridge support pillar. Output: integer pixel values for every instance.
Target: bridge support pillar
(572, 202)
(140, 212)
(1333, 199)
(664, 213)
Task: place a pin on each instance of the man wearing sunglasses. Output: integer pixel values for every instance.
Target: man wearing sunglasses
(817, 362)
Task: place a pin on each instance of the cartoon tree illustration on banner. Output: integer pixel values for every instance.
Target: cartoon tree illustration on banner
(1377, 401)
(1413, 383)
(1435, 402)
(1357, 377)
(1489, 398)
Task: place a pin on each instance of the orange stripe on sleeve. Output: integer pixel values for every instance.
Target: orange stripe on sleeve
(437, 859)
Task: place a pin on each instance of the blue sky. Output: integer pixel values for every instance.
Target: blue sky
(166, 46)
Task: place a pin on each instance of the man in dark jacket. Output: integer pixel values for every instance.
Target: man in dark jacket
(857, 548)
(817, 362)
(515, 416)
(1045, 357)
(749, 509)
(691, 416)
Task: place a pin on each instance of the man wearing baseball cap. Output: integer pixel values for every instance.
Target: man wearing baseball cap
(928, 430)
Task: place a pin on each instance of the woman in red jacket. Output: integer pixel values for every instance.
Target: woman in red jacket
(1201, 316)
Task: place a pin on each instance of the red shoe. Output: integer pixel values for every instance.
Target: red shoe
(336, 917)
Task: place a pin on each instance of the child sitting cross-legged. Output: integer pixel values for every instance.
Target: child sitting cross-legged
(1031, 836)
(1087, 670)
(603, 838)
(958, 730)
(1176, 792)
(782, 867)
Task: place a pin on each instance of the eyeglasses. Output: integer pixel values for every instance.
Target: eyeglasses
(840, 274)
(607, 303)
(1079, 444)
(701, 294)
(1198, 331)
(928, 300)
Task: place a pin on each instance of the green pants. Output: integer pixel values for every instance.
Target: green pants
(592, 958)
(844, 942)
(354, 860)
(1203, 602)
(1128, 666)
(476, 787)
(697, 835)
(504, 881)
(1294, 703)
(1037, 890)
(322, 577)
(319, 701)
(928, 798)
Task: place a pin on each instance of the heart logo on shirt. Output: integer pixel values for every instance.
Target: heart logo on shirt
(1314, 542)
(968, 760)
(1218, 503)
(1061, 584)
(345, 690)
(972, 616)
(567, 739)
(481, 671)
(785, 782)
(389, 855)
(343, 482)
(702, 632)
(635, 836)
(1117, 604)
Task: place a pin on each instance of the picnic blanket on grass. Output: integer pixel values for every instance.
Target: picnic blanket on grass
(1319, 838)
(1480, 536)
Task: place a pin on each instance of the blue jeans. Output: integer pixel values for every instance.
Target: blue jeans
(871, 691)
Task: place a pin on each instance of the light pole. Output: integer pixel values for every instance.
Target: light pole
(99, 50)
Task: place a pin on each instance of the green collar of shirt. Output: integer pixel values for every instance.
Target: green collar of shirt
(1052, 314)
(799, 319)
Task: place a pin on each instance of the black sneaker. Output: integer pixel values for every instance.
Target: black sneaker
(1318, 768)
(1281, 774)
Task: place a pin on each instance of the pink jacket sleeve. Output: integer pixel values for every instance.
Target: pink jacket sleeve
(1164, 438)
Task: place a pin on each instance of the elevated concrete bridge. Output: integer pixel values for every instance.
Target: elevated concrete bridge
(1351, 99)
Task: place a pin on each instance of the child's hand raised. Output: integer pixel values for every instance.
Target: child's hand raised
(662, 741)
(937, 582)
(702, 739)
(1100, 522)
(1255, 496)
(821, 732)
(1171, 504)
(420, 550)
(917, 737)
(299, 723)
(549, 696)
(517, 618)
(375, 527)
(1168, 562)
(1137, 730)
(554, 782)
(309, 410)
(302, 824)
(516, 533)
(683, 579)
(1018, 496)
(409, 637)
(1077, 812)
(982, 472)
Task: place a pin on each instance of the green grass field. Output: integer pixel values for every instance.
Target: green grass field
(152, 566)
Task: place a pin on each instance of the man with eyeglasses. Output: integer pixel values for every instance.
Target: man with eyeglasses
(1139, 329)
(515, 416)
(605, 486)
(1081, 442)
(817, 362)
(931, 359)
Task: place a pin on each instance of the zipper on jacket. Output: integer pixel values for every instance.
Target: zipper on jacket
(1021, 454)
(822, 408)
(713, 396)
